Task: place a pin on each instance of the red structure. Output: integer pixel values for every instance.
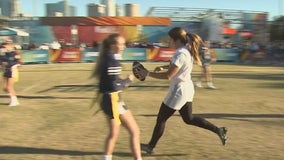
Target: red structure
(95, 29)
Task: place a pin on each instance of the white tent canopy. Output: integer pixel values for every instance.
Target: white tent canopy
(6, 31)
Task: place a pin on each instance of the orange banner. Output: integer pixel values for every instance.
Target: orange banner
(66, 55)
(106, 21)
(160, 54)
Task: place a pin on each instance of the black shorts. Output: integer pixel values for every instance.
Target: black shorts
(8, 73)
(112, 104)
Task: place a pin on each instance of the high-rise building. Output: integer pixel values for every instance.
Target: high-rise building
(132, 10)
(118, 11)
(15, 8)
(63, 7)
(106, 8)
(10, 8)
(94, 9)
(110, 7)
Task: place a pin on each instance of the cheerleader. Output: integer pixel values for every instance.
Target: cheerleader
(10, 62)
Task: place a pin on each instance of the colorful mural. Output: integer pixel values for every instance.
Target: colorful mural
(91, 29)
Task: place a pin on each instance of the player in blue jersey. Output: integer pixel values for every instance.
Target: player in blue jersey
(10, 61)
(107, 71)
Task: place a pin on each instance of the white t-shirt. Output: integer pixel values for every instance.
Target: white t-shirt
(181, 86)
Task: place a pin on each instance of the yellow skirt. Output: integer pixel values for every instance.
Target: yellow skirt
(15, 73)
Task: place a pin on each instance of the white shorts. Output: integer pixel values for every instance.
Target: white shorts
(179, 94)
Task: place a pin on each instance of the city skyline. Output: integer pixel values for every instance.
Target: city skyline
(273, 7)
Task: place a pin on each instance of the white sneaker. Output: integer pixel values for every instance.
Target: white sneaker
(198, 84)
(211, 86)
(13, 104)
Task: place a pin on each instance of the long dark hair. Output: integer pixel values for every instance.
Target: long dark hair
(191, 39)
(104, 48)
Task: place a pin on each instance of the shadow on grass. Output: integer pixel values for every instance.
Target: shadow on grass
(49, 151)
(70, 88)
(89, 87)
(227, 115)
(268, 76)
(164, 155)
(277, 80)
(46, 97)
(124, 154)
(32, 150)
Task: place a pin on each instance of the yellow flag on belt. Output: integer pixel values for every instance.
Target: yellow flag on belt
(15, 73)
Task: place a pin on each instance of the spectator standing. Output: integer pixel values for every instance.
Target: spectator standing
(207, 58)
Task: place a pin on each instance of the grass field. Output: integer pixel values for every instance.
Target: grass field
(55, 122)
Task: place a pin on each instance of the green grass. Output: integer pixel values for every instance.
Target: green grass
(55, 122)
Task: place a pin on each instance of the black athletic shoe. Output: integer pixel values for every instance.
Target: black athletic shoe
(222, 133)
(147, 148)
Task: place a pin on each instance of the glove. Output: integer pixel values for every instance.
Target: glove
(139, 71)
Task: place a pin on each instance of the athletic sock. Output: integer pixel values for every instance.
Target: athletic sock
(14, 99)
(107, 157)
(209, 83)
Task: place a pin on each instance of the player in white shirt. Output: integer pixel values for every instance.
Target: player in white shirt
(181, 90)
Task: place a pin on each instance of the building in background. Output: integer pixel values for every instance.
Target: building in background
(10, 8)
(132, 10)
(15, 8)
(216, 23)
(106, 8)
(63, 7)
(118, 11)
(212, 28)
(110, 7)
(95, 9)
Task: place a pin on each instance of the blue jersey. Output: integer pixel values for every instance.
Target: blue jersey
(11, 58)
(110, 72)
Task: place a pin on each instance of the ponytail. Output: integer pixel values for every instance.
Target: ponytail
(194, 42)
(191, 39)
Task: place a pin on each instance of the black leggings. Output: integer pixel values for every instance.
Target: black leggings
(186, 113)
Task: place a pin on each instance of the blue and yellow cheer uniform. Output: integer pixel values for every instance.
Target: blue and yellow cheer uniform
(111, 86)
(10, 61)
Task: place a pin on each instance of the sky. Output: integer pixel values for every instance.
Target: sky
(273, 7)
